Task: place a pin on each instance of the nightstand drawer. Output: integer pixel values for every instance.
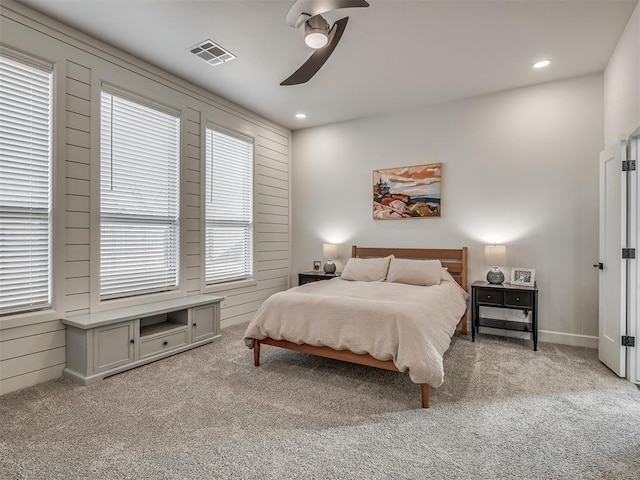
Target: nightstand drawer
(488, 296)
(518, 299)
(309, 277)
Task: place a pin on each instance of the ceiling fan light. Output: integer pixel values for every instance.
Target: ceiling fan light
(316, 38)
(316, 32)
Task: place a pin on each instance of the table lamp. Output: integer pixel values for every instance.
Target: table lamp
(330, 252)
(495, 255)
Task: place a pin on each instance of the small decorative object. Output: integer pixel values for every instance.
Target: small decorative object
(523, 276)
(407, 192)
(495, 255)
(330, 252)
(316, 265)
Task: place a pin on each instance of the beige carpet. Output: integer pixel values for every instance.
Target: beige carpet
(504, 411)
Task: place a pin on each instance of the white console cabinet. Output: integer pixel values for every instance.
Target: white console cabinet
(105, 343)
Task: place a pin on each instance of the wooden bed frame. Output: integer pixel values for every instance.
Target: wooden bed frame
(455, 260)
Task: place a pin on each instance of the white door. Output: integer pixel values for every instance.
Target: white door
(613, 275)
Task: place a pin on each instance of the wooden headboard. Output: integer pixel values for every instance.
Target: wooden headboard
(454, 260)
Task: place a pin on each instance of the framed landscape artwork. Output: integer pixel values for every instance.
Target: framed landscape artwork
(407, 192)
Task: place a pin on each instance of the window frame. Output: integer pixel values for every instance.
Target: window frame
(57, 255)
(213, 287)
(97, 302)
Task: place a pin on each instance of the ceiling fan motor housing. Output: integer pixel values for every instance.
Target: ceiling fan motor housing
(317, 33)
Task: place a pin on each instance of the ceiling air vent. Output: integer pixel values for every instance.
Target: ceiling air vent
(211, 53)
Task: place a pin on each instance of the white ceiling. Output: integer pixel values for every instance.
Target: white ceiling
(395, 55)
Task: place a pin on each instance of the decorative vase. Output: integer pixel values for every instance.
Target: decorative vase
(495, 276)
(329, 267)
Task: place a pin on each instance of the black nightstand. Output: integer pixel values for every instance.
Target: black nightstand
(308, 277)
(514, 297)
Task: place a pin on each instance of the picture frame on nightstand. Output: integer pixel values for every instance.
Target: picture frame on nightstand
(525, 277)
(316, 265)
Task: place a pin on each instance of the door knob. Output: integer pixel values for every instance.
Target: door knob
(599, 266)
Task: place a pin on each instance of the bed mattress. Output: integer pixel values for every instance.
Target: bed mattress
(410, 325)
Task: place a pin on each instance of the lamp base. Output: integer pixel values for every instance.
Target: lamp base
(329, 267)
(495, 276)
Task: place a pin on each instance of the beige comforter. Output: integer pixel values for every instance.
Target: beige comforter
(408, 324)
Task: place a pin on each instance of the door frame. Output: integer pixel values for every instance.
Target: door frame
(612, 309)
(633, 273)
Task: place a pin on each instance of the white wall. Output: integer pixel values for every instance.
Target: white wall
(520, 168)
(622, 85)
(32, 346)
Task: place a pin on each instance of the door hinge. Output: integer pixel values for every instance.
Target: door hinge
(628, 253)
(628, 165)
(628, 341)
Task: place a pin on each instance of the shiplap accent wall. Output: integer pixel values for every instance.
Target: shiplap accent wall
(191, 199)
(32, 348)
(271, 232)
(31, 354)
(77, 186)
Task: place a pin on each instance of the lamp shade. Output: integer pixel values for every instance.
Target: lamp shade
(330, 250)
(495, 255)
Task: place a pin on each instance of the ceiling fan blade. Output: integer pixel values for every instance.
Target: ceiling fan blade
(311, 8)
(319, 57)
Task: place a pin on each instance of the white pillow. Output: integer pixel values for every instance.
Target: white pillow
(366, 269)
(415, 272)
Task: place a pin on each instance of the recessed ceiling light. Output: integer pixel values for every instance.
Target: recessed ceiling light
(301, 115)
(542, 64)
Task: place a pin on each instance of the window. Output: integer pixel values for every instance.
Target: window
(25, 185)
(139, 161)
(229, 207)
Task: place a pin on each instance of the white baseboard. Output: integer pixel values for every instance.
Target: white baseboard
(568, 339)
(236, 320)
(548, 336)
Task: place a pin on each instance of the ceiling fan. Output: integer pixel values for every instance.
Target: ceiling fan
(317, 33)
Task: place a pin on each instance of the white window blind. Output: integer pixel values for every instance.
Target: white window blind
(25, 186)
(139, 178)
(229, 207)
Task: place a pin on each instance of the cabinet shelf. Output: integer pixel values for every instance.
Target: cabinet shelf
(505, 324)
(164, 327)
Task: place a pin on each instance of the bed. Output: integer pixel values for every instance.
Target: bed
(378, 324)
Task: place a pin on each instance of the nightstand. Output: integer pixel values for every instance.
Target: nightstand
(308, 277)
(506, 295)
